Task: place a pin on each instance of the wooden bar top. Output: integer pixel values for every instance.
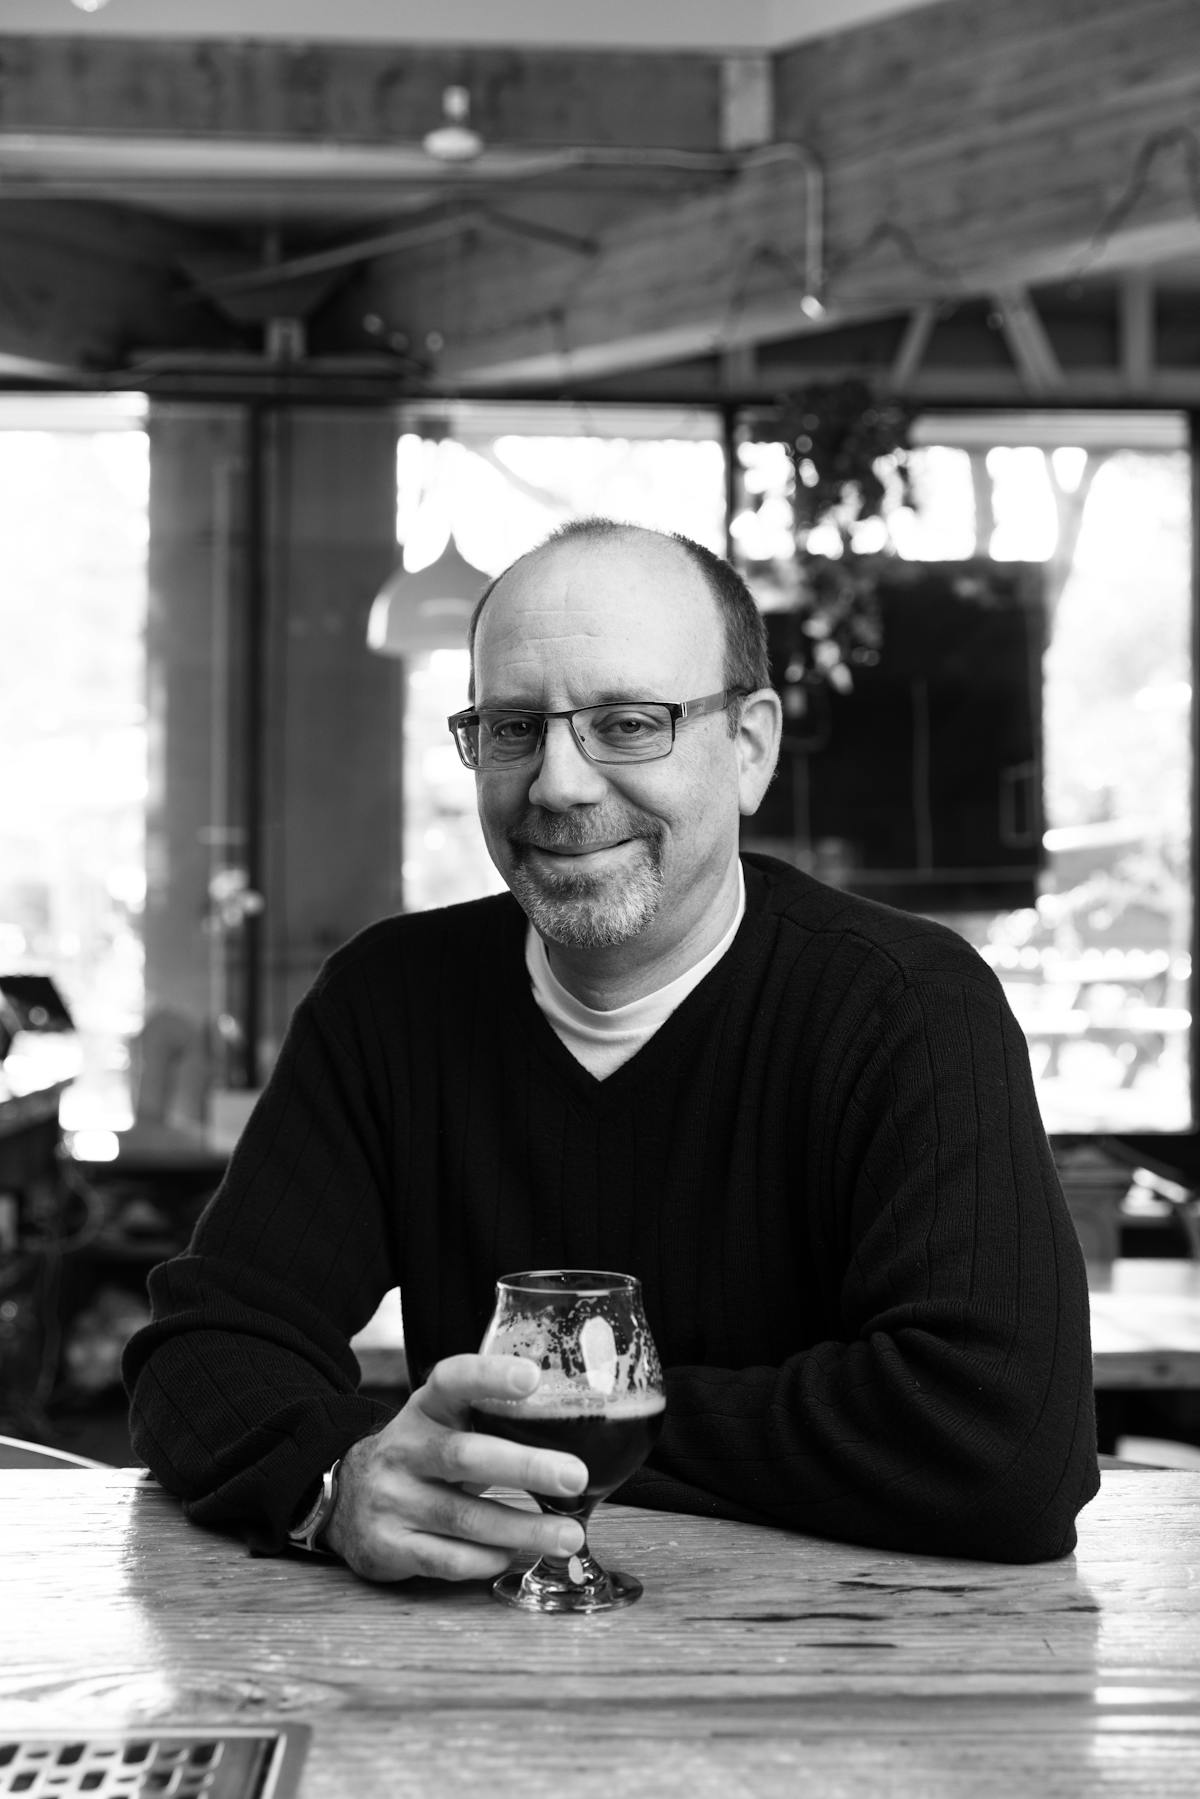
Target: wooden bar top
(759, 1665)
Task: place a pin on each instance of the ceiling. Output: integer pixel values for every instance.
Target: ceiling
(312, 187)
(618, 24)
(690, 186)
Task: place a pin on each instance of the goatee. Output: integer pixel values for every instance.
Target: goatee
(587, 909)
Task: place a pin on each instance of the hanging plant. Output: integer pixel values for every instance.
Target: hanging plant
(841, 441)
(836, 434)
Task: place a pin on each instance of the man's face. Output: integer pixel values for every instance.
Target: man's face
(601, 855)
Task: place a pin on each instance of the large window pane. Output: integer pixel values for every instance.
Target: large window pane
(1097, 963)
(73, 533)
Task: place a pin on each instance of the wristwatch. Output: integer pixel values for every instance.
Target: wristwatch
(305, 1534)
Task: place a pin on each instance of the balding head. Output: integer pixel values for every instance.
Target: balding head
(745, 665)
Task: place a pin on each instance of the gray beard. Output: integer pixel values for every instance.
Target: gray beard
(589, 911)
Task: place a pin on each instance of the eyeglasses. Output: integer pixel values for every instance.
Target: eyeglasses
(618, 731)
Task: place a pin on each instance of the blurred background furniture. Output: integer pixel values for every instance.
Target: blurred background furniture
(15, 1452)
(33, 1205)
(1139, 1228)
(171, 1070)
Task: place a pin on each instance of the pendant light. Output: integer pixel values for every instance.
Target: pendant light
(413, 614)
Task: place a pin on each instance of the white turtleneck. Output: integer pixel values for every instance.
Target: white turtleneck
(602, 1041)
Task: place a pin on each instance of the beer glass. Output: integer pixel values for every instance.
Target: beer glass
(600, 1398)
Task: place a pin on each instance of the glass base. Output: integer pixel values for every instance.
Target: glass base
(578, 1585)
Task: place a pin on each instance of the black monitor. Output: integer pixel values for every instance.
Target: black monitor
(30, 1002)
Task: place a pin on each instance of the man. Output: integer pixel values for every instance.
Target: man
(805, 1121)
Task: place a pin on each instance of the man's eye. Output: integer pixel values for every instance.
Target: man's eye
(627, 724)
(511, 733)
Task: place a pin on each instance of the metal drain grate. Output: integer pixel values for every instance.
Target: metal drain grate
(157, 1764)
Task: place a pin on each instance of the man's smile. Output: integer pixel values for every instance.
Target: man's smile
(579, 849)
(576, 853)
(581, 841)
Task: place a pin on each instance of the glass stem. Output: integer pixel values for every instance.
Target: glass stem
(580, 1510)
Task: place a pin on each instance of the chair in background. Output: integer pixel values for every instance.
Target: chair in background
(172, 1071)
(1169, 1189)
(1094, 1183)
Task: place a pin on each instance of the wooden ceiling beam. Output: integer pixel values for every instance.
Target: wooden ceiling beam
(1136, 321)
(723, 270)
(1083, 389)
(1025, 335)
(966, 150)
(357, 94)
(912, 347)
(81, 284)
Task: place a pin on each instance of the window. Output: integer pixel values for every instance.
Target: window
(73, 532)
(1092, 513)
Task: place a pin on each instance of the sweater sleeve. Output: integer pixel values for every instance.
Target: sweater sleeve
(242, 1386)
(952, 1412)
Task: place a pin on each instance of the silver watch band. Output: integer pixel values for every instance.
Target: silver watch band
(305, 1534)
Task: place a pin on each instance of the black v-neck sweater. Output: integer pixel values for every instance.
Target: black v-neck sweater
(827, 1168)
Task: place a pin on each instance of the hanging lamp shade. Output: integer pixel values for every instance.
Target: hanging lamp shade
(414, 614)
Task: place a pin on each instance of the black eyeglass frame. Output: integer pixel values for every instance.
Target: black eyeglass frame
(677, 710)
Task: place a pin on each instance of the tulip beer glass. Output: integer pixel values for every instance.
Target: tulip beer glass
(600, 1398)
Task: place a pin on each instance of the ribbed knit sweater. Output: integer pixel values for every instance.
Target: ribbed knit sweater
(827, 1168)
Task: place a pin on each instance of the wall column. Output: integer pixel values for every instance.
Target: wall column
(275, 732)
(331, 731)
(196, 579)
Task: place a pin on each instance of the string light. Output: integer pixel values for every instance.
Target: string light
(951, 284)
(953, 287)
(1176, 137)
(768, 256)
(888, 232)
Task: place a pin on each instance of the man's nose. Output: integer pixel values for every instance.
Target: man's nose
(564, 777)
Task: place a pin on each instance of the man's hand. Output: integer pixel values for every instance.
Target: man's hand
(407, 1500)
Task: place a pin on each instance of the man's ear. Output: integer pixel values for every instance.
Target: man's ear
(757, 745)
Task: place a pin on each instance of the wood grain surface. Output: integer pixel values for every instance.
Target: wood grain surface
(758, 1663)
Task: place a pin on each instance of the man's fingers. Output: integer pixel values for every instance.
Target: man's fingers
(395, 1507)
(452, 1514)
(444, 1558)
(458, 1539)
(464, 1458)
(414, 1445)
(467, 1458)
(431, 1558)
(410, 1497)
(459, 1381)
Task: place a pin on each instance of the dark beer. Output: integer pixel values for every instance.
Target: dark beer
(612, 1440)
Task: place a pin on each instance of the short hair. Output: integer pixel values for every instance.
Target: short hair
(746, 661)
